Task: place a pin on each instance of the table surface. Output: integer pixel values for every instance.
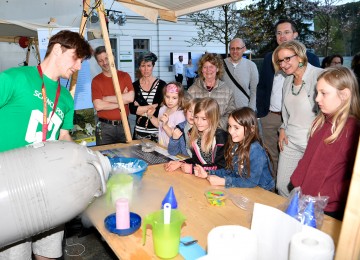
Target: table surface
(201, 217)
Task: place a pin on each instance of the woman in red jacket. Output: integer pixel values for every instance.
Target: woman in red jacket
(327, 165)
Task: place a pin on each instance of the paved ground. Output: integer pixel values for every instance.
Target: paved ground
(87, 245)
(82, 243)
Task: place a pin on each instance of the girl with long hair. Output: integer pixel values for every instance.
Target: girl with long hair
(171, 112)
(328, 162)
(247, 161)
(207, 139)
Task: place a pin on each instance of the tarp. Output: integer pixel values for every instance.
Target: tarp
(170, 10)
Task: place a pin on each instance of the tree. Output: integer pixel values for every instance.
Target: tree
(217, 24)
(337, 28)
(259, 20)
(325, 25)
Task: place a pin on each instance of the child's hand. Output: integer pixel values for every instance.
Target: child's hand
(200, 172)
(172, 166)
(177, 133)
(216, 180)
(164, 118)
(187, 168)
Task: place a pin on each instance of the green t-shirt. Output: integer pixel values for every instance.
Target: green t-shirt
(21, 108)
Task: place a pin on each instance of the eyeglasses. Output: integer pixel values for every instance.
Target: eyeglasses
(286, 59)
(237, 48)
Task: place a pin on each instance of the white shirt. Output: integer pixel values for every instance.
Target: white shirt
(179, 68)
(276, 92)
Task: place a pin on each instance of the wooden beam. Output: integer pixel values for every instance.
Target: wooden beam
(31, 42)
(81, 32)
(349, 240)
(115, 80)
(168, 15)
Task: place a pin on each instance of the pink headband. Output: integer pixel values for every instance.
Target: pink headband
(172, 88)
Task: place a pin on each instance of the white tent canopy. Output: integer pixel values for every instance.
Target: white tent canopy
(170, 10)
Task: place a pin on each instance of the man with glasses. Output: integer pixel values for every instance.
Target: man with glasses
(269, 91)
(28, 93)
(241, 75)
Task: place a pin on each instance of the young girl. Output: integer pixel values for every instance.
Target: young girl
(327, 165)
(206, 139)
(170, 114)
(179, 142)
(247, 161)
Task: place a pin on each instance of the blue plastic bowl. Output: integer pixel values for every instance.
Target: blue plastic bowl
(110, 224)
(133, 166)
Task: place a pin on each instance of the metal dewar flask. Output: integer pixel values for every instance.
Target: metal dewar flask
(47, 184)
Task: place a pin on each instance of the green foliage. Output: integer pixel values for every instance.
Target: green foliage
(338, 29)
(259, 20)
(217, 24)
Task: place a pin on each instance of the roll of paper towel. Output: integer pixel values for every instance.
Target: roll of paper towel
(311, 244)
(232, 243)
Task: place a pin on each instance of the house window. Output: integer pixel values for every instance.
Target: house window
(140, 46)
(113, 43)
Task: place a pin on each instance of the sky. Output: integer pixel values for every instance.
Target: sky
(244, 3)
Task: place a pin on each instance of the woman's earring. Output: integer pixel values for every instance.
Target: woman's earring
(301, 64)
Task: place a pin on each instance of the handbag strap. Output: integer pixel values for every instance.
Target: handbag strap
(234, 81)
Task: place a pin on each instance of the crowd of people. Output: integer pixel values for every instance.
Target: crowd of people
(240, 128)
(296, 124)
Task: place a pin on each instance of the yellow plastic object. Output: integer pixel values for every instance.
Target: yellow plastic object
(216, 197)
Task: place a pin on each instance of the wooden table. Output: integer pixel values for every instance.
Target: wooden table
(201, 217)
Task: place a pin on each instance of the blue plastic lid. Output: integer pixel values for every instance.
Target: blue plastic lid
(110, 224)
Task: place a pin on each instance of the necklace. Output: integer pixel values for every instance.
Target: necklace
(297, 93)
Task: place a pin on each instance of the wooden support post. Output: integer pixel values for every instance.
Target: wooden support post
(115, 80)
(349, 240)
(37, 51)
(31, 42)
(82, 32)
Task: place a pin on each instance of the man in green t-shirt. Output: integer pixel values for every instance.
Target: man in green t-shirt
(26, 94)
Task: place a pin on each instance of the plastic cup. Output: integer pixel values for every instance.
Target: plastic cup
(166, 237)
(122, 214)
(123, 188)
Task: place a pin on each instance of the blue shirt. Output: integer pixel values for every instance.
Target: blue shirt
(260, 174)
(190, 72)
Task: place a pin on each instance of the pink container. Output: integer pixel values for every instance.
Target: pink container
(122, 214)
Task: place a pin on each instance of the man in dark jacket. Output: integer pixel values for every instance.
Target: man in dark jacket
(269, 90)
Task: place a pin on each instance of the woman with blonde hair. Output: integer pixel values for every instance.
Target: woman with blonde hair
(298, 107)
(210, 70)
(327, 165)
(207, 140)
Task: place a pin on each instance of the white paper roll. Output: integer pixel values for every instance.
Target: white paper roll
(232, 242)
(311, 244)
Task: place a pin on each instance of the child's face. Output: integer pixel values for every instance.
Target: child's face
(190, 115)
(327, 97)
(171, 99)
(236, 130)
(201, 121)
